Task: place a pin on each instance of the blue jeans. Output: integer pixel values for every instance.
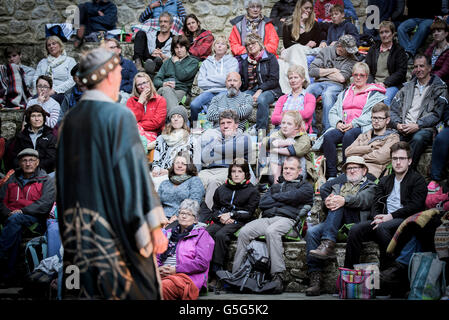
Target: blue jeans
(406, 253)
(440, 153)
(418, 143)
(331, 139)
(201, 102)
(411, 45)
(326, 230)
(391, 92)
(12, 236)
(329, 92)
(263, 107)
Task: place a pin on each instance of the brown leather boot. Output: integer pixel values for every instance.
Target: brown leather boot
(314, 288)
(326, 250)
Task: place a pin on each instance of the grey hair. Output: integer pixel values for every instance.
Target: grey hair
(250, 2)
(190, 205)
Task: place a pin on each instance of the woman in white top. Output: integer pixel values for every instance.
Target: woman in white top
(57, 65)
(44, 86)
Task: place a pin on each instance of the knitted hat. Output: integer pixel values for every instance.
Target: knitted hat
(178, 110)
(96, 65)
(28, 152)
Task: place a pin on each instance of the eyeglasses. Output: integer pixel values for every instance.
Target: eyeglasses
(359, 75)
(255, 6)
(377, 119)
(43, 87)
(28, 160)
(353, 168)
(113, 47)
(142, 84)
(187, 214)
(395, 159)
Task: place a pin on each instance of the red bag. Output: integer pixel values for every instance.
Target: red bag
(434, 199)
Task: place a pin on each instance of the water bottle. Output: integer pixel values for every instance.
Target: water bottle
(310, 220)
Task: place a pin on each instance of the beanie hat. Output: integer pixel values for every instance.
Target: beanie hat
(178, 110)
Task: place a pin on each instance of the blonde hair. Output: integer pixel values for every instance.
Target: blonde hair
(135, 92)
(222, 39)
(252, 38)
(294, 68)
(361, 65)
(295, 20)
(54, 38)
(297, 118)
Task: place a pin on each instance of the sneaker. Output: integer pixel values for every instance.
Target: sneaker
(433, 187)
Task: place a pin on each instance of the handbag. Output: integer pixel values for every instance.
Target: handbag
(352, 284)
(426, 275)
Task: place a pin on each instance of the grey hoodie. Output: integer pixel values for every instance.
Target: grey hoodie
(213, 73)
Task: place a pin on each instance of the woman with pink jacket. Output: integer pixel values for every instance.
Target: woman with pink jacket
(297, 100)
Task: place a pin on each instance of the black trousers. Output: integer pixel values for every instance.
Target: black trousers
(362, 232)
(141, 47)
(222, 234)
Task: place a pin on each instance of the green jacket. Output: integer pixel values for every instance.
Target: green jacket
(183, 72)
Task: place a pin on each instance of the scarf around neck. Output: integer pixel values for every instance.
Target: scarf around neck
(177, 180)
(175, 137)
(53, 62)
(174, 239)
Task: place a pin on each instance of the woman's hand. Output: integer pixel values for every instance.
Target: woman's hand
(166, 270)
(225, 217)
(144, 96)
(43, 96)
(311, 44)
(172, 219)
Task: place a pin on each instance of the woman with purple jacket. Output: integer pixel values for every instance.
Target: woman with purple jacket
(184, 266)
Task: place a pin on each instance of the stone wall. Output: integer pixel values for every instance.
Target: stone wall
(22, 22)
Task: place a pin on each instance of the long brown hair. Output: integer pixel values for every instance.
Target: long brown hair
(296, 19)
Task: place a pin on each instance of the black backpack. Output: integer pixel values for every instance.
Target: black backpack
(254, 274)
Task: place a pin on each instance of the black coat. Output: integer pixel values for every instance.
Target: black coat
(245, 203)
(396, 64)
(313, 35)
(286, 199)
(45, 145)
(413, 195)
(282, 9)
(267, 73)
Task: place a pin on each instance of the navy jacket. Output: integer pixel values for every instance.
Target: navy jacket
(129, 70)
(101, 23)
(336, 31)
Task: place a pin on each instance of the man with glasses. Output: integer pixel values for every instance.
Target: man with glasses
(374, 145)
(418, 107)
(397, 196)
(347, 199)
(25, 199)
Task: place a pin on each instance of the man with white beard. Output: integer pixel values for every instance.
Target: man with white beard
(234, 99)
(348, 199)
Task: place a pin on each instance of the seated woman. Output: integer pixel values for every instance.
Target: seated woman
(57, 65)
(175, 138)
(259, 70)
(439, 50)
(234, 205)
(200, 40)
(297, 100)
(150, 16)
(212, 75)
(183, 183)
(44, 86)
(37, 135)
(387, 62)
(175, 78)
(253, 22)
(350, 116)
(301, 34)
(149, 108)
(184, 266)
(290, 140)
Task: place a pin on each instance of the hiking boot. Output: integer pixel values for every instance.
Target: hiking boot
(395, 274)
(326, 250)
(279, 278)
(314, 288)
(150, 66)
(138, 65)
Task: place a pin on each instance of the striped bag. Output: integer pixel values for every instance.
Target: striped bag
(352, 284)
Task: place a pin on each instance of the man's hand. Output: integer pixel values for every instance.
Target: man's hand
(334, 202)
(256, 95)
(225, 217)
(170, 84)
(157, 53)
(333, 43)
(323, 44)
(101, 14)
(380, 218)
(160, 241)
(410, 128)
(17, 211)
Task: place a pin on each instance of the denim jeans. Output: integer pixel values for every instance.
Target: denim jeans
(201, 102)
(331, 139)
(409, 249)
(411, 45)
(329, 92)
(263, 107)
(418, 143)
(11, 237)
(440, 153)
(391, 92)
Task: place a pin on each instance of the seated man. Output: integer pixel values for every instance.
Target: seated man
(25, 199)
(280, 12)
(95, 16)
(129, 70)
(397, 196)
(348, 199)
(418, 107)
(339, 27)
(154, 47)
(219, 147)
(73, 95)
(280, 207)
(331, 69)
(374, 145)
(150, 16)
(14, 55)
(234, 99)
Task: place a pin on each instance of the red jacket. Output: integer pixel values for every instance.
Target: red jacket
(202, 45)
(270, 40)
(154, 117)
